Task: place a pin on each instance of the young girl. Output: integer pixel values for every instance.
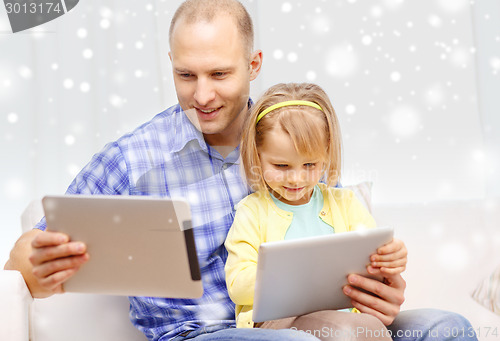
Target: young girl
(291, 141)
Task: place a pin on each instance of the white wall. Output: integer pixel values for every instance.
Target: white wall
(401, 75)
(486, 16)
(413, 83)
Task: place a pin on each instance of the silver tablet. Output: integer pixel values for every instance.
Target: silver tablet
(296, 277)
(138, 246)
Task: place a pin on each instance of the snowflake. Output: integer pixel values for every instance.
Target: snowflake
(68, 83)
(12, 117)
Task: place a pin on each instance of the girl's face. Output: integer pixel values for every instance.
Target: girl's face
(290, 175)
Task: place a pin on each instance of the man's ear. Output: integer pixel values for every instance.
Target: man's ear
(255, 64)
(170, 55)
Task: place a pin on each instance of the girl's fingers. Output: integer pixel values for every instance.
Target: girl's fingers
(393, 271)
(399, 254)
(391, 264)
(391, 247)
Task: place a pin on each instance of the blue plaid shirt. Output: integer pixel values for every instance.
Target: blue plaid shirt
(168, 156)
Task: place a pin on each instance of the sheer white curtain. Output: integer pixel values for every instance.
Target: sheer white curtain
(69, 87)
(486, 16)
(403, 76)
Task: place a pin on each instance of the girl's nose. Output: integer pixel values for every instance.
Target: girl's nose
(295, 176)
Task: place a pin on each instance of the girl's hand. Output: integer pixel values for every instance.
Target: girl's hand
(390, 259)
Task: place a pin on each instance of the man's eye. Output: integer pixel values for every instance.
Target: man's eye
(219, 74)
(184, 75)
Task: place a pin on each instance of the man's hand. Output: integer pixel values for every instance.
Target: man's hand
(55, 259)
(46, 260)
(386, 299)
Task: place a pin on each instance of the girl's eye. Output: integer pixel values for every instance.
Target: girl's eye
(310, 164)
(280, 165)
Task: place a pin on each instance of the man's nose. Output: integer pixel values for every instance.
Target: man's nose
(204, 92)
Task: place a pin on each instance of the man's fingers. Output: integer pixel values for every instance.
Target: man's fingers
(386, 320)
(56, 280)
(364, 300)
(392, 293)
(48, 238)
(48, 253)
(47, 269)
(380, 299)
(55, 259)
(382, 308)
(397, 282)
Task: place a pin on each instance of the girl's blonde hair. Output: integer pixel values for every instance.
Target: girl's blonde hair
(310, 129)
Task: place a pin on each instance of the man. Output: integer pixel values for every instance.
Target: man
(190, 150)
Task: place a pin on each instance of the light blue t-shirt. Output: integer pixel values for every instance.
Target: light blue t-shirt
(306, 221)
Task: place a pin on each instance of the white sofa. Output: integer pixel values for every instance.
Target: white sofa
(452, 247)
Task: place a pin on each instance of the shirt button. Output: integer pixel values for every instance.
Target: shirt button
(323, 213)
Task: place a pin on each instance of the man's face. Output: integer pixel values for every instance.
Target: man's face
(212, 74)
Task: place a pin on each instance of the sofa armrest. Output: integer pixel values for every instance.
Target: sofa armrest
(14, 309)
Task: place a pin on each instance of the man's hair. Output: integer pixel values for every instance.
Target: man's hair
(314, 132)
(193, 11)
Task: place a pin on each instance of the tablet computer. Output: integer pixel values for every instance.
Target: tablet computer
(138, 245)
(300, 276)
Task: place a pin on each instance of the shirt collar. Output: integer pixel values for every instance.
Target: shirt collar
(185, 132)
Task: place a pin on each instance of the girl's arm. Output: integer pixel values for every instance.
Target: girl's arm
(242, 244)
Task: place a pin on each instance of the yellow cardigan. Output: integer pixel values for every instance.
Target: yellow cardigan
(259, 220)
